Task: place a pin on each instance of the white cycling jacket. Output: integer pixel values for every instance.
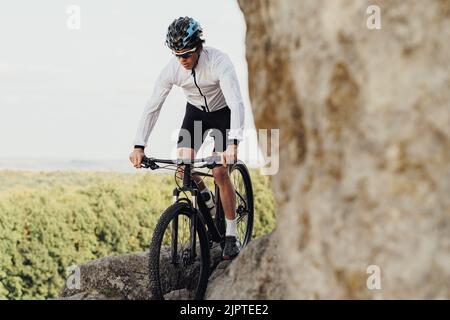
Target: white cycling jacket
(210, 86)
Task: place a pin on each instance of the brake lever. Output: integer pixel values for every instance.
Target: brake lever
(148, 163)
(154, 166)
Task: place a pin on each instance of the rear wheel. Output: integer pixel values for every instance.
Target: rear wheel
(179, 255)
(240, 179)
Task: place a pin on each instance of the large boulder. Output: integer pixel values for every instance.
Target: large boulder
(125, 277)
(364, 119)
(254, 274)
(117, 277)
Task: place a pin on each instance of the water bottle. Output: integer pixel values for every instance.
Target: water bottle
(209, 201)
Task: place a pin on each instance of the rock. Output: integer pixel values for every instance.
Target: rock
(254, 274)
(364, 119)
(182, 294)
(119, 277)
(93, 295)
(126, 276)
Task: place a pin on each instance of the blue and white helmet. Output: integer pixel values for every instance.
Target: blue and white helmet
(184, 33)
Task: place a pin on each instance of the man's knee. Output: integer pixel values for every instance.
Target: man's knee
(186, 153)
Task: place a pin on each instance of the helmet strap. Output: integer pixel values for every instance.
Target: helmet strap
(199, 49)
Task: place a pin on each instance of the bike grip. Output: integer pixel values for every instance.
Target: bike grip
(145, 162)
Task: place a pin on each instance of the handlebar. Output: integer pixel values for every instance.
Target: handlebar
(209, 162)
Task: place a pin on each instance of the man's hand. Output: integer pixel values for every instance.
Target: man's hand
(230, 155)
(136, 157)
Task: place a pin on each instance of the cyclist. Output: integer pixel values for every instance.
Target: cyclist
(214, 105)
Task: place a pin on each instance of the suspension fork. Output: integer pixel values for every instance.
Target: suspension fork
(192, 228)
(187, 185)
(193, 221)
(174, 233)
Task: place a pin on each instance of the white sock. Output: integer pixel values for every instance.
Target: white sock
(231, 227)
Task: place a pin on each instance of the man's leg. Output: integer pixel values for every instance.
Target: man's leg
(190, 139)
(228, 198)
(227, 193)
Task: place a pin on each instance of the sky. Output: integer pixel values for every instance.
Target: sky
(79, 93)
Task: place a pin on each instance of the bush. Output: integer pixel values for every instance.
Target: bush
(50, 221)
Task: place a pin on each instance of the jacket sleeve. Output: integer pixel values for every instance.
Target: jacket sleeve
(153, 107)
(230, 88)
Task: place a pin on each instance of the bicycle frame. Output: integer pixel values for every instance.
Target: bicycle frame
(200, 230)
(199, 211)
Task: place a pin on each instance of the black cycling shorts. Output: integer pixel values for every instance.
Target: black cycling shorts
(197, 124)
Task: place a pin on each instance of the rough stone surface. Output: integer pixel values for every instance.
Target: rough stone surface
(118, 277)
(364, 118)
(126, 277)
(254, 274)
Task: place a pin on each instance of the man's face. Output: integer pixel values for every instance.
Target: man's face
(187, 57)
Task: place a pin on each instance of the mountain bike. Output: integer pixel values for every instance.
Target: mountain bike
(179, 256)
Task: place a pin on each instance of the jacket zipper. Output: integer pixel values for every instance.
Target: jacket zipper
(195, 81)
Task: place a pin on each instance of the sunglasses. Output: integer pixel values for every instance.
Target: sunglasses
(186, 54)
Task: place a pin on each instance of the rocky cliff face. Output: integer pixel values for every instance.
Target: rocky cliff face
(364, 119)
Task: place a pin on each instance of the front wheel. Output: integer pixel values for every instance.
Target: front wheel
(240, 178)
(179, 255)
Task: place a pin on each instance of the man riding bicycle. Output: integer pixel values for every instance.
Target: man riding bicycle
(214, 105)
